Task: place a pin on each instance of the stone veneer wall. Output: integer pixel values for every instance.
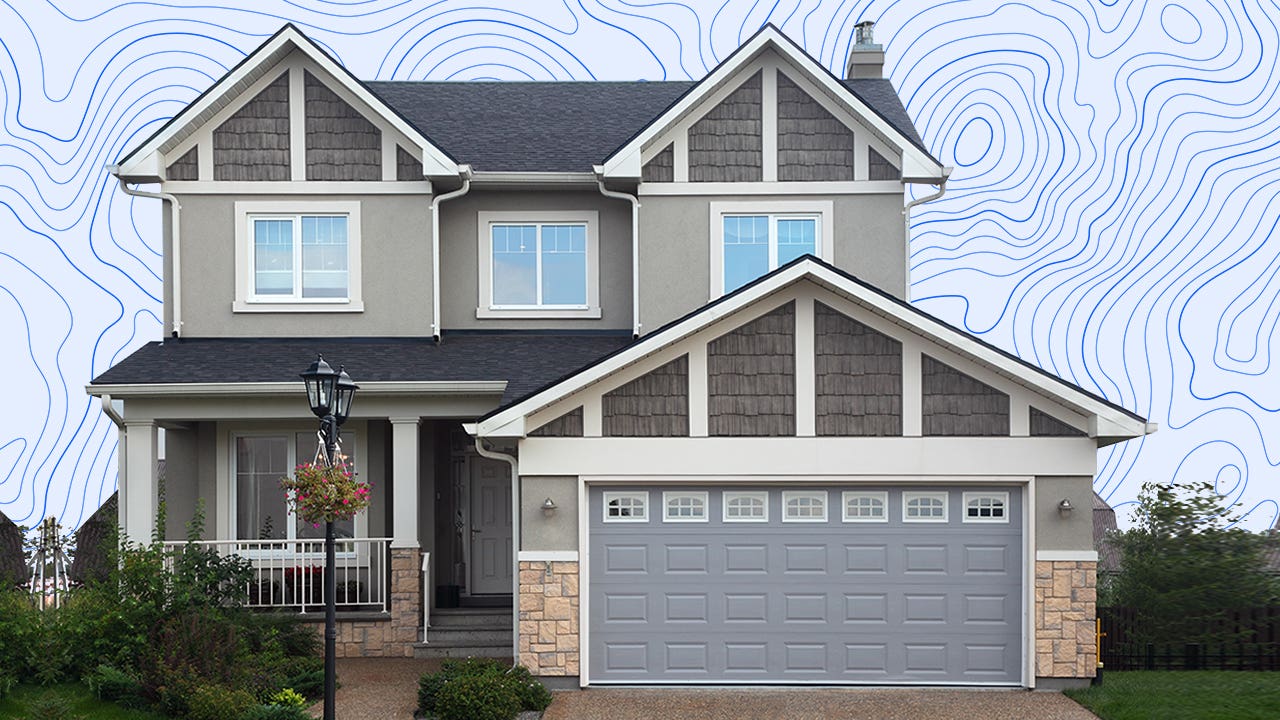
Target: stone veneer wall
(1066, 611)
(380, 637)
(549, 618)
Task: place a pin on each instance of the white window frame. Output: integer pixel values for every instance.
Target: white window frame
(788, 495)
(360, 523)
(943, 495)
(848, 495)
(822, 210)
(485, 307)
(247, 301)
(669, 495)
(728, 495)
(1002, 497)
(643, 495)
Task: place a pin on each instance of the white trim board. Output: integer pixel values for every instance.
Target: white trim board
(1067, 555)
(548, 556)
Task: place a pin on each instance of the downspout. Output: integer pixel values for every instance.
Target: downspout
(515, 539)
(122, 441)
(435, 246)
(176, 254)
(635, 250)
(906, 231)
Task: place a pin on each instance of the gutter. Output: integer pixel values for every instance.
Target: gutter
(292, 387)
(435, 245)
(175, 208)
(906, 231)
(110, 412)
(635, 247)
(482, 451)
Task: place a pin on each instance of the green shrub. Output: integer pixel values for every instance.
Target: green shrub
(532, 693)
(515, 681)
(7, 682)
(477, 697)
(217, 702)
(275, 712)
(115, 685)
(289, 697)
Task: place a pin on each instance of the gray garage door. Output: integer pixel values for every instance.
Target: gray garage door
(835, 584)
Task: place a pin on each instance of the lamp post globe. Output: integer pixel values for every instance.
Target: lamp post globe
(320, 380)
(343, 393)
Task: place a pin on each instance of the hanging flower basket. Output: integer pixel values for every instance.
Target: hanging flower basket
(318, 493)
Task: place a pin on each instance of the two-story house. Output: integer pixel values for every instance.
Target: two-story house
(639, 378)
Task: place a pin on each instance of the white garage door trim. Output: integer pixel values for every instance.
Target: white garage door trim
(1022, 483)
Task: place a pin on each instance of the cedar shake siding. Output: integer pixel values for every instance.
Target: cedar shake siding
(812, 144)
(567, 425)
(955, 404)
(341, 143)
(1045, 425)
(725, 145)
(859, 377)
(186, 167)
(407, 167)
(653, 405)
(751, 383)
(879, 169)
(661, 167)
(253, 144)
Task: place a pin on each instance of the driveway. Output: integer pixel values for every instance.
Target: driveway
(813, 704)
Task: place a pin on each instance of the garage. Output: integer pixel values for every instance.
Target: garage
(796, 584)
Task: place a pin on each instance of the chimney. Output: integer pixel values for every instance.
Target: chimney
(866, 59)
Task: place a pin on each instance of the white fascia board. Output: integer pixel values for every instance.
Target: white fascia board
(145, 160)
(625, 165)
(408, 387)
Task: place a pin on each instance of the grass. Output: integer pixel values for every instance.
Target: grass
(1203, 695)
(34, 702)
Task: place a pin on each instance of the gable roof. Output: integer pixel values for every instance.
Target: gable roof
(1107, 419)
(918, 163)
(142, 161)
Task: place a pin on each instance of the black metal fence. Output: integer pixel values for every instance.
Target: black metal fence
(1241, 640)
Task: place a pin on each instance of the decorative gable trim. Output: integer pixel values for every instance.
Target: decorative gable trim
(625, 162)
(145, 163)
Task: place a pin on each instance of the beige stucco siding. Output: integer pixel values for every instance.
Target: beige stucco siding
(395, 233)
(460, 255)
(1055, 531)
(675, 251)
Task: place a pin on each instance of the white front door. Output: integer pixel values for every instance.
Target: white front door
(490, 527)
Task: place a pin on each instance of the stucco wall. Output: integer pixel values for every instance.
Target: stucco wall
(460, 253)
(675, 248)
(395, 270)
(560, 530)
(1055, 531)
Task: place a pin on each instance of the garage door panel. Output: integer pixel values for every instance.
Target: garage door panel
(833, 601)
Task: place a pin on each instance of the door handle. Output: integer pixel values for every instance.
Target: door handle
(474, 531)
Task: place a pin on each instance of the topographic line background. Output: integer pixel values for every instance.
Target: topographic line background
(1111, 215)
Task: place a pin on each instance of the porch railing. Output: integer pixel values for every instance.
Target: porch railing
(290, 574)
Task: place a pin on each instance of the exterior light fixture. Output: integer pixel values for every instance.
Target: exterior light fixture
(549, 507)
(1065, 507)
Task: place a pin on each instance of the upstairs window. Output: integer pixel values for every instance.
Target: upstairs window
(752, 239)
(538, 265)
(297, 256)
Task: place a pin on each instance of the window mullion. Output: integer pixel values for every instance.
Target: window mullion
(773, 243)
(537, 264)
(297, 256)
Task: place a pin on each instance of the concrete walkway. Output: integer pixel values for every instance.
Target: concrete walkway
(387, 689)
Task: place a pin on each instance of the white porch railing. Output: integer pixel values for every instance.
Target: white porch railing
(290, 574)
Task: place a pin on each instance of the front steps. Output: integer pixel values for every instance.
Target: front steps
(467, 632)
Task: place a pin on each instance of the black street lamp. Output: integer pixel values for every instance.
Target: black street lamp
(330, 394)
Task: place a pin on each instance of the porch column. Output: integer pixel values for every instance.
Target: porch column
(138, 482)
(404, 484)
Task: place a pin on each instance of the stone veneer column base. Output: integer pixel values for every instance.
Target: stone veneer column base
(380, 636)
(548, 642)
(1065, 616)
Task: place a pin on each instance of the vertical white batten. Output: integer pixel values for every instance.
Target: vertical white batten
(635, 248)
(806, 369)
(435, 245)
(912, 390)
(769, 123)
(297, 124)
(175, 223)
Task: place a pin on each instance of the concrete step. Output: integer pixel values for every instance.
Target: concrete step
(423, 652)
(479, 637)
(487, 618)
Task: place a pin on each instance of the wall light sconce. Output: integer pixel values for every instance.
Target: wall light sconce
(1065, 507)
(549, 507)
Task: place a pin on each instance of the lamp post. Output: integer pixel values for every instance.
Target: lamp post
(330, 394)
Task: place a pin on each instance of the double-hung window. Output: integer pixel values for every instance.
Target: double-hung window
(538, 265)
(297, 256)
(749, 240)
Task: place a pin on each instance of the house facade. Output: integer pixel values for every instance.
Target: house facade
(642, 397)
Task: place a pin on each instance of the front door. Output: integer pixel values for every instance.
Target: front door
(490, 527)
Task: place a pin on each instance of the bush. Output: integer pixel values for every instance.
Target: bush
(517, 682)
(477, 697)
(216, 702)
(115, 685)
(275, 712)
(288, 697)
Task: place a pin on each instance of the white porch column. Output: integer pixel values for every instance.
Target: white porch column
(138, 483)
(404, 482)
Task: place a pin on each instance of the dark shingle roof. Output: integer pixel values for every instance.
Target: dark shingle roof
(560, 126)
(525, 360)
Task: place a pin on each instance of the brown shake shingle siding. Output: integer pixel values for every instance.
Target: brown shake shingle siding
(253, 144)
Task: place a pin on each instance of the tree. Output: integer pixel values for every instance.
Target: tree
(1184, 566)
